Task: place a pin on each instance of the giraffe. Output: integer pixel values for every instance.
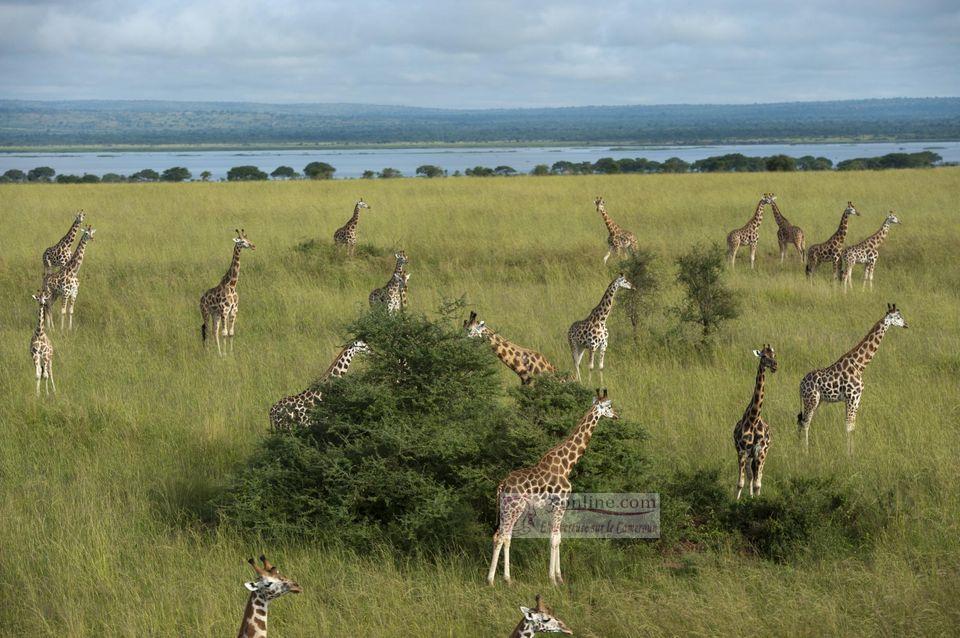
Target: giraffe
(66, 281)
(545, 484)
(751, 436)
(618, 240)
(41, 349)
(787, 234)
(525, 362)
(748, 234)
(59, 254)
(393, 294)
(346, 235)
(591, 333)
(219, 305)
(269, 586)
(866, 252)
(294, 411)
(843, 380)
(540, 619)
(829, 251)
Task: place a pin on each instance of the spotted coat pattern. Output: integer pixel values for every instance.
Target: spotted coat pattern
(346, 235)
(219, 305)
(60, 253)
(393, 294)
(748, 234)
(829, 251)
(269, 586)
(866, 252)
(787, 234)
(41, 349)
(590, 334)
(525, 362)
(65, 282)
(540, 619)
(751, 435)
(619, 240)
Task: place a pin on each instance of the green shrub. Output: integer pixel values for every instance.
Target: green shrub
(640, 269)
(709, 303)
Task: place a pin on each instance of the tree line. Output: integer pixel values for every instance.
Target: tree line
(729, 163)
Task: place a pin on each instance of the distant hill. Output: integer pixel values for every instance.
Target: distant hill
(102, 122)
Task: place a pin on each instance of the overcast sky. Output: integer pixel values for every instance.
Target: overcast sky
(479, 54)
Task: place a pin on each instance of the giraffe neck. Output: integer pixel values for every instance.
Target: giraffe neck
(341, 364)
(602, 311)
(876, 239)
(355, 218)
(39, 333)
(841, 233)
(611, 225)
(233, 272)
(254, 623)
(752, 414)
(398, 269)
(781, 220)
(757, 216)
(73, 266)
(569, 451)
(499, 344)
(863, 352)
(71, 234)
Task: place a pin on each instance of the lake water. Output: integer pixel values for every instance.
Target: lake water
(353, 162)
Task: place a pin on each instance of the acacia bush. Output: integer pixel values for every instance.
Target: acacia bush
(640, 270)
(708, 302)
(409, 447)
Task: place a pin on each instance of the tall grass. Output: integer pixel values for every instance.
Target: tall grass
(105, 514)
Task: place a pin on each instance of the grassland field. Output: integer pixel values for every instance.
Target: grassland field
(106, 487)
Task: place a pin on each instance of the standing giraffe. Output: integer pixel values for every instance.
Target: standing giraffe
(270, 585)
(525, 362)
(829, 251)
(591, 333)
(751, 436)
(619, 240)
(59, 254)
(866, 252)
(748, 234)
(393, 294)
(843, 381)
(346, 235)
(41, 349)
(220, 304)
(545, 484)
(540, 619)
(294, 411)
(787, 234)
(66, 281)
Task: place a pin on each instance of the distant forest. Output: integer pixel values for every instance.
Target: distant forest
(36, 123)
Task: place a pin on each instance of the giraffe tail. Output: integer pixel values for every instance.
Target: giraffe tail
(203, 332)
(799, 418)
(499, 507)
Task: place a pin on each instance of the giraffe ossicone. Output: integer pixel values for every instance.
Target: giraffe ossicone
(269, 585)
(540, 619)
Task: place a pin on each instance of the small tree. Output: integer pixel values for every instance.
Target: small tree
(245, 174)
(146, 175)
(15, 175)
(429, 170)
(112, 178)
(68, 179)
(390, 173)
(709, 303)
(368, 174)
(781, 163)
(283, 172)
(675, 165)
(540, 170)
(206, 175)
(319, 170)
(504, 171)
(479, 171)
(639, 267)
(41, 174)
(89, 178)
(175, 174)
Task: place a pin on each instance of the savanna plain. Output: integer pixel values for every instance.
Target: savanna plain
(106, 515)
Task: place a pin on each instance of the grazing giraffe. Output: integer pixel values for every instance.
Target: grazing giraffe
(269, 586)
(66, 281)
(618, 240)
(393, 294)
(787, 234)
(41, 349)
(525, 362)
(829, 251)
(866, 252)
(538, 620)
(346, 235)
(591, 333)
(751, 436)
(220, 304)
(748, 234)
(59, 254)
(545, 484)
(843, 380)
(294, 411)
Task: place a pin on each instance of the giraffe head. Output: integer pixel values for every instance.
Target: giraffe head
(42, 297)
(893, 317)
(621, 282)
(88, 232)
(891, 219)
(603, 406)
(768, 198)
(360, 346)
(474, 327)
(270, 583)
(768, 358)
(850, 209)
(79, 217)
(401, 259)
(242, 241)
(599, 203)
(540, 619)
(361, 204)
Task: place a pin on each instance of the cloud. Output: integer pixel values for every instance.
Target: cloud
(478, 54)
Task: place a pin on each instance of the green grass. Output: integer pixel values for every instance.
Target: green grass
(106, 487)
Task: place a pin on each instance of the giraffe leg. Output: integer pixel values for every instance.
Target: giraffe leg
(497, 546)
(63, 312)
(754, 474)
(853, 404)
(50, 374)
(810, 403)
(783, 251)
(590, 367)
(506, 557)
(760, 457)
(753, 254)
(606, 257)
(733, 245)
(555, 577)
(741, 477)
(603, 351)
(216, 331)
(577, 354)
(73, 302)
(36, 361)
